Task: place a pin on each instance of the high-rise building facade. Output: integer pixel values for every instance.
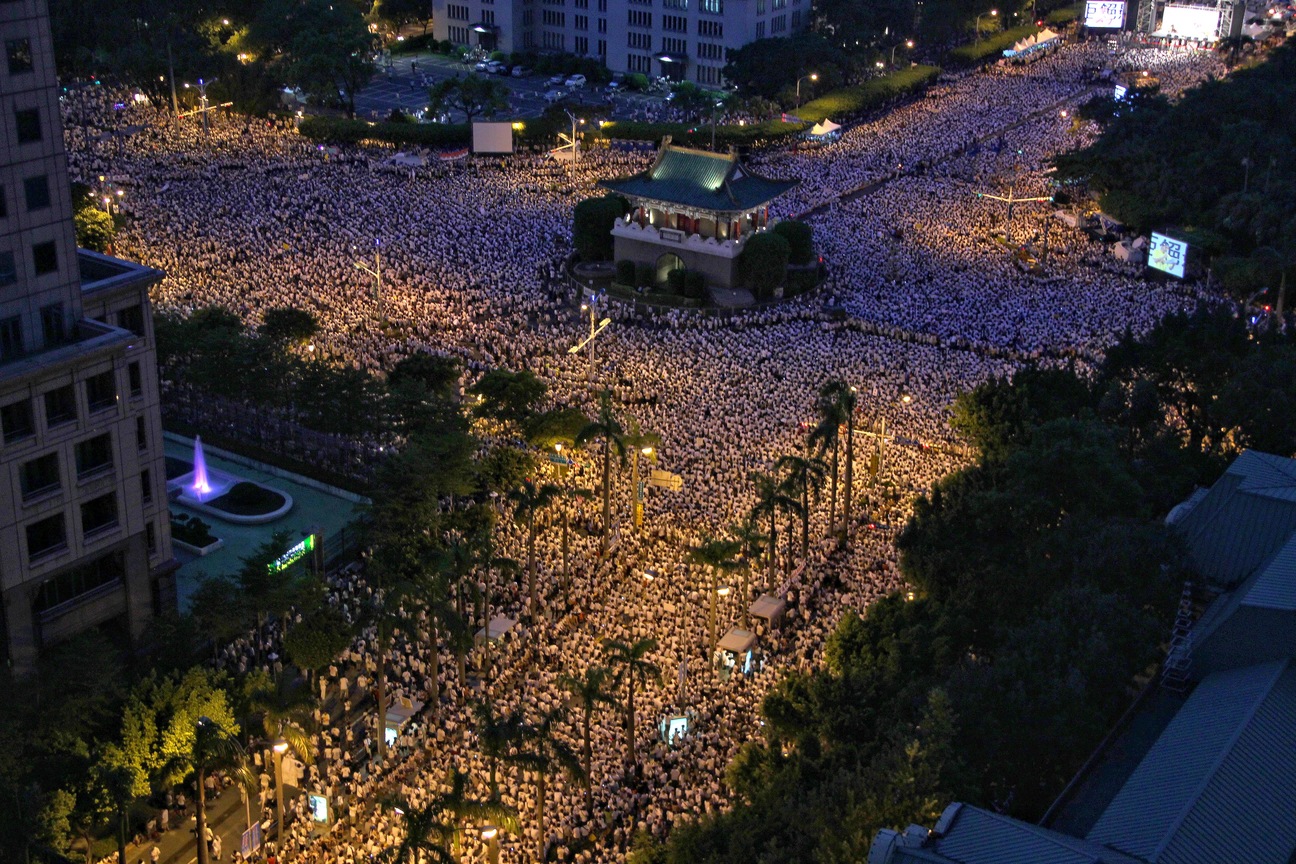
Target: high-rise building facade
(684, 40)
(84, 528)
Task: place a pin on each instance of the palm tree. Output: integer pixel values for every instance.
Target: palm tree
(844, 398)
(528, 499)
(753, 541)
(458, 808)
(497, 735)
(772, 498)
(425, 835)
(287, 714)
(806, 474)
(456, 561)
(589, 691)
(608, 428)
(629, 663)
(434, 596)
(640, 444)
(215, 748)
(827, 436)
(542, 752)
(391, 579)
(717, 556)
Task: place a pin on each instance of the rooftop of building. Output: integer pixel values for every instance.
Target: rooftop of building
(700, 180)
(101, 272)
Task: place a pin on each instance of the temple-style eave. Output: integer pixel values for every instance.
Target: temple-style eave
(688, 209)
(666, 204)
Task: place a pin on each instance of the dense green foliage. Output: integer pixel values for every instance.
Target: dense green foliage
(763, 263)
(592, 221)
(1215, 168)
(1044, 585)
(338, 130)
(991, 47)
(800, 238)
(868, 96)
(94, 228)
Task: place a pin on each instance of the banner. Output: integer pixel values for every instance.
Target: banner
(1104, 14)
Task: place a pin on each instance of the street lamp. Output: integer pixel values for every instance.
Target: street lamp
(575, 147)
(202, 96)
(813, 76)
(638, 487)
(490, 835)
(376, 272)
(280, 747)
(994, 13)
(908, 43)
(591, 306)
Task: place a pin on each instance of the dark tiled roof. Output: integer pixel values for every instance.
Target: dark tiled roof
(702, 180)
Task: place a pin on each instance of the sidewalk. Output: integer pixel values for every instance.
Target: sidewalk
(226, 816)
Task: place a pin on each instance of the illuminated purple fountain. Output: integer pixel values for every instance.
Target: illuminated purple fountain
(200, 485)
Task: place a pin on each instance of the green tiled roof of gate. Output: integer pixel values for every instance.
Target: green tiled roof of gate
(696, 178)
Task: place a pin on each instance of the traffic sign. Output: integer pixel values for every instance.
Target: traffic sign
(665, 480)
(559, 460)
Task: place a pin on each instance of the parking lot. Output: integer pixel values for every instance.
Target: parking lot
(404, 85)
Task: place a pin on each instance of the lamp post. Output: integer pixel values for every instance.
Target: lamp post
(591, 306)
(376, 272)
(575, 147)
(813, 76)
(202, 97)
(490, 834)
(638, 487)
(908, 43)
(280, 747)
(993, 13)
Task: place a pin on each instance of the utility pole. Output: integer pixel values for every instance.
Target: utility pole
(376, 272)
(591, 306)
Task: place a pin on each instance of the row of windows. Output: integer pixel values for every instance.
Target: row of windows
(459, 35)
(49, 535)
(44, 258)
(711, 7)
(582, 44)
(641, 41)
(638, 63)
(635, 18)
(708, 75)
(94, 457)
(456, 13)
(778, 24)
(82, 580)
(674, 46)
(53, 330)
(674, 23)
(17, 419)
(675, 4)
(711, 29)
(710, 51)
(553, 40)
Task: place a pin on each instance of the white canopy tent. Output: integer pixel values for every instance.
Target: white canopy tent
(499, 625)
(768, 607)
(826, 127)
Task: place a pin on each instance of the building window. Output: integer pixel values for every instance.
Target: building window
(45, 537)
(136, 379)
(146, 486)
(796, 20)
(11, 344)
(582, 45)
(94, 456)
(141, 434)
(642, 41)
(39, 476)
(581, 4)
(674, 46)
(602, 6)
(16, 421)
(20, 57)
(638, 63)
(760, 7)
(711, 7)
(131, 318)
(459, 35)
(488, 16)
(79, 581)
(675, 23)
(37, 191)
(602, 43)
(4, 203)
(602, 28)
(553, 40)
(52, 330)
(60, 406)
(778, 23)
(45, 258)
(582, 23)
(710, 51)
(635, 18)
(99, 514)
(27, 123)
(708, 75)
(675, 4)
(760, 29)
(101, 390)
(711, 29)
(150, 538)
(457, 13)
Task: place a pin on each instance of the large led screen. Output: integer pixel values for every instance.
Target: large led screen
(1190, 22)
(1167, 255)
(1104, 14)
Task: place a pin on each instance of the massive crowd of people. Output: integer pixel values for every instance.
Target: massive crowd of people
(255, 217)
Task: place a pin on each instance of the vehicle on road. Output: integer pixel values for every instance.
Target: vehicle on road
(553, 96)
(556, 81)
(575, 82)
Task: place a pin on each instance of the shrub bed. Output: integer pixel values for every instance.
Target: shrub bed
(978, 52)
(248, 499)
(850, 101)
(191, 530)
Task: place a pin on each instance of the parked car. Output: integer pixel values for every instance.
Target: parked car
(612, 87)
(553, 96)
(521, 72)
(556, 81)
(483, 66)
(575, 82)
(497, 68)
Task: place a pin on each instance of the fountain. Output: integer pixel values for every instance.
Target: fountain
(200, 485)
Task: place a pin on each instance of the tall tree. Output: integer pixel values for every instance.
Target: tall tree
(331, 55)
(843, 396)
(425, 835)
(528, 499)
(588, 691)
(543, 752)
(609, 429)
(805, 475)
(287, 715)
(716, 556)
(497, 735)
(826, 436)
(627, 661)
(772, 498)
(472, 95)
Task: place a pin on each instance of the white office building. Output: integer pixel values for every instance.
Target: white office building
(684, 40)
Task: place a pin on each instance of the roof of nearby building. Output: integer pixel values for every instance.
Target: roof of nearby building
(701, 180)
(1243, 519)
(970, 835)
(1221, 778)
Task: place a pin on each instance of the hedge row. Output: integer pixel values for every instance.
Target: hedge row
(976, 52)
(339, 130)
(1065, 15)
(699, 134)
(851, 101)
